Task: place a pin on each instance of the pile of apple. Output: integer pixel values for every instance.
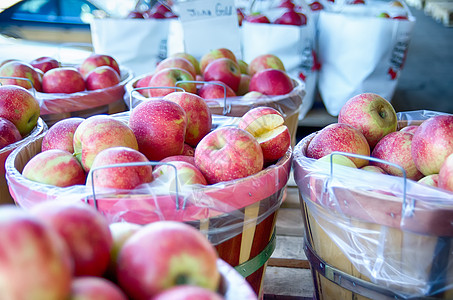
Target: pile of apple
(224, 74)
(19, 114)
(367, 125)
(61, 251)
(47, 75)
(287, 13)
(174, 128)
(157, 11)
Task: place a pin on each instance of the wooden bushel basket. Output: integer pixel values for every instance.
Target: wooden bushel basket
(237, 216)
(288, 105)
(56, 107)
(374, 236)
(5, 197)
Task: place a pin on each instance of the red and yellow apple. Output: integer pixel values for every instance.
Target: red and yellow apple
(102, 77)
(176, 62)
(265, 61)
(224, 70)
(66, 80)
(445, 179)
(168, 77)
(271, 82)
(20, 69)
(9, 133)
(215, 90)
(215, 54)
(96, 60)
(45, 63)
(61, 135)
(95, 288)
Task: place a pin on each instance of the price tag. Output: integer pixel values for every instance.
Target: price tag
(209, 25)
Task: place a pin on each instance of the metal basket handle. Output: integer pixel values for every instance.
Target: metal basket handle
(150, 88)
(21, 78)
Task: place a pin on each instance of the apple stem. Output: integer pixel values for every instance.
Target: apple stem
(182, 279)
(382, 114)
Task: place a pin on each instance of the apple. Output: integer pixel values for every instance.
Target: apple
(144, 82)
(445, 179)
(291, 17)
(228, 153)
(253, 95)
(395, 147)
(430, 180)
(374, 116)
(410, 128)
(266, 124)
(54, 167)
(191, 58)
(120, 231)
(135, 15)
(85, 231)
(383, 15)
(271, 82)
(96, 60)
(257, 18)
(160, 127)
(244, 84)
(8, 60)
(289, 4)
(176, 62)
(186, 174)
(316, 6)
(34, 262)
(9, 133)
(20, 69)
(240, 14)
(184, 158)
(401, 17)
(371, 168)
(102, 77)
(20, 107)
(149, 14)
(95, 288)
(243, 66)
(339, 137)
(338, 159)
(100, 132)
(45, 63)
(168, 77)
(432, 143)
(215, 90)
(357, 2)
(188, 150)
(212, 55)
(199, 120)
(66, 80)
(61, 135)
(265, 61)
(188, 292)
(164, 254)
(127, 177)
(224, 70)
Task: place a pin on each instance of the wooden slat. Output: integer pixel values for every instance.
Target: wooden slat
(289, 263)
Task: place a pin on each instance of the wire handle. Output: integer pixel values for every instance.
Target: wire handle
(225, 110)
(149, 88)
(134, 164)
(21, 78)
(404, 177)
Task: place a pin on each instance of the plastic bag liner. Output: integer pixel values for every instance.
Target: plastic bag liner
(56, 106)
(288, 105)
(379, 236)
(40, 127)
(232, 285)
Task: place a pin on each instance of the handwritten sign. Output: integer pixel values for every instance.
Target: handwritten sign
(209, 25)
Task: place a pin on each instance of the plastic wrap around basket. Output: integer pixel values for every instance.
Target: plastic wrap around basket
(232, 285)
(55, 107)
(288, 105)
(5, 196)
(374, 236)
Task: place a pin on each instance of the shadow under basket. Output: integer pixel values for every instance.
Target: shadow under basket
(373, 236)
(237, 216)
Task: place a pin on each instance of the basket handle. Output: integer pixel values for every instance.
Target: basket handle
(150, 88)
(20, 78)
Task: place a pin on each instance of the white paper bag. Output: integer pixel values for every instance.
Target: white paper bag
(138, 44)
(360, 52)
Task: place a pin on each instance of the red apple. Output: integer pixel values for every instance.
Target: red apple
(184, 158)
(54, 167)
(271, 82)
(432, 143)
(149, 14)
(430, 180)
(228, 153)
(95, 288)
(9, 133)
(61, 135)
(395, 147)
(100, 132)
(188, 150)
(402, 17)
(160, 128)
(191, 58)
(127, 177)
(265, 61)
(289, 4)
(445, 179)
(176, 62)
(253, 95)
(120, 231)
(164, 254)
(168, 77)
(215, 90)
(339, 137)
(20, 107)
(291, 17)
(144, 82)
(374, 116)
(66, 80)
(266, 124)
(410, 128)
(244, 84)
(199, 121)
(215, 54)
(371, 168)
(186, 174)
(101, 78)
(85, 231)
(257, 18)
(96, 60)
(45, 63)
(224, 70)
(315, 6)
(134, 15)
(20, 69)
(34, 262)
(188, 292)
